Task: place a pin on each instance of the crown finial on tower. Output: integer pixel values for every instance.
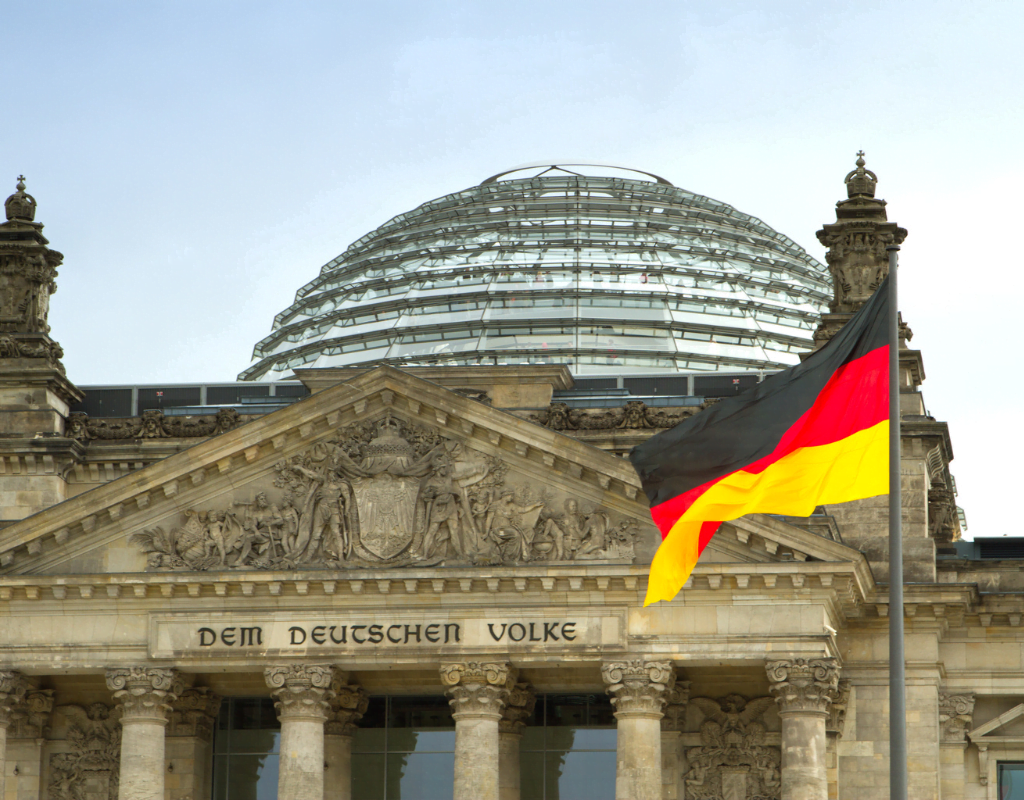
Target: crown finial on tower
(861, 182)
(20, 206)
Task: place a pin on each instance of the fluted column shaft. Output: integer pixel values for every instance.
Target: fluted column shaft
(302, 692)
(638, 690)
(347, 707)
(478, 693)
(13, 688)
(804, 689)
(145, 695)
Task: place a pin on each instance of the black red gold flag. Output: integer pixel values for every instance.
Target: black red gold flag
(813, 434)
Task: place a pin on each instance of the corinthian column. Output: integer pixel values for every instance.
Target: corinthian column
(302, 692)
(638, 690)
(346, 709)
(804, 689)
(478, 694)
(145, 695)
(518, 709)
(13, 688)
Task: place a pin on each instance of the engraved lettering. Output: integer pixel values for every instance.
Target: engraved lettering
(295, 630)
(549, 631)
(203, 633)
(251, 636)
(319, 634)
(376, 634)
(522, 632)
(415, 632)
(497, 637)
(567, 628)
(394, 628)
(448, 625)
(433, 632)
(343, 639)
(355, 638)
(533, 636)
(228, 636)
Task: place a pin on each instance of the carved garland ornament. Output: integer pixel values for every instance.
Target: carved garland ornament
(634, 415)
(152, 425)
(390, 493)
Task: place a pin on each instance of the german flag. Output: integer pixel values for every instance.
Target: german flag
(816, 433)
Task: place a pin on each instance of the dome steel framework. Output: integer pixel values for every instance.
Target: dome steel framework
(608, 275)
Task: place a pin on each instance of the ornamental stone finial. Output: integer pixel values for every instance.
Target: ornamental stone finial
(638, 687)
(857, 257)
(803, 685)
(145, 693)
(477, 688)
(302, 691)
(20, 206)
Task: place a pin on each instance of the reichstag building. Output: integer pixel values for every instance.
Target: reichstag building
(403, 557)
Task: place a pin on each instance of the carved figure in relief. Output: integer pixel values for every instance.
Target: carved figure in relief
(388, 493)
(91, 767)
(733, 735)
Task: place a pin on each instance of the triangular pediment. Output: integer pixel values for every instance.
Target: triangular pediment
(1007, 727)
(384, 470)
(762, 538)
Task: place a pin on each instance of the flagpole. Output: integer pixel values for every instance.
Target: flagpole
(897, 664)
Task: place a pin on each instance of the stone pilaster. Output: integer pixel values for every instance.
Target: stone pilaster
(639, 692)
(144, 695)
(13, 688)
(834, 725)
(347, 707)
(478, 693)
(25, 740)
(518, 709)
(303, 692)
(673, 754)
(189, 743)
(804, 689)
(956, 715)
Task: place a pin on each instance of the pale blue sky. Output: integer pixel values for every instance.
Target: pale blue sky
(197, 162)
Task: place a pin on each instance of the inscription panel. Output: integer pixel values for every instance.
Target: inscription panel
(397, 632)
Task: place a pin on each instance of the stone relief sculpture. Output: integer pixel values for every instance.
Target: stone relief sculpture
(91, 768)
(634, 415)
(733, 760)
(390, 493)
(151, 425)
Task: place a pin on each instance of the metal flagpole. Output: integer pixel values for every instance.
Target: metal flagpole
(897, 665)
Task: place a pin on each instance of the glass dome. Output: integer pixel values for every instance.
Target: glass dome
(610, 273)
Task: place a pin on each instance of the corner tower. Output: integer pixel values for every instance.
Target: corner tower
(35, 394)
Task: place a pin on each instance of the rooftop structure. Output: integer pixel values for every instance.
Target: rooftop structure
(612, 273)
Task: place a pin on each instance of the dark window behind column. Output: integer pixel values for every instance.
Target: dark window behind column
(245, 749)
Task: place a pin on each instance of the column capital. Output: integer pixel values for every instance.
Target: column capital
(518, 708)
(677, 698)
(477, 688)
(13, 688)
(302, 691)
(194, 714)
(346, 707)
(956, 715)
(144, 693)
(803, 685)
(639, 688)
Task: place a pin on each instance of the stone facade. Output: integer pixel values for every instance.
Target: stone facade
(453, 532)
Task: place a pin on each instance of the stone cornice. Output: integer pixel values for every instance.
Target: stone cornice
(246, 451)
